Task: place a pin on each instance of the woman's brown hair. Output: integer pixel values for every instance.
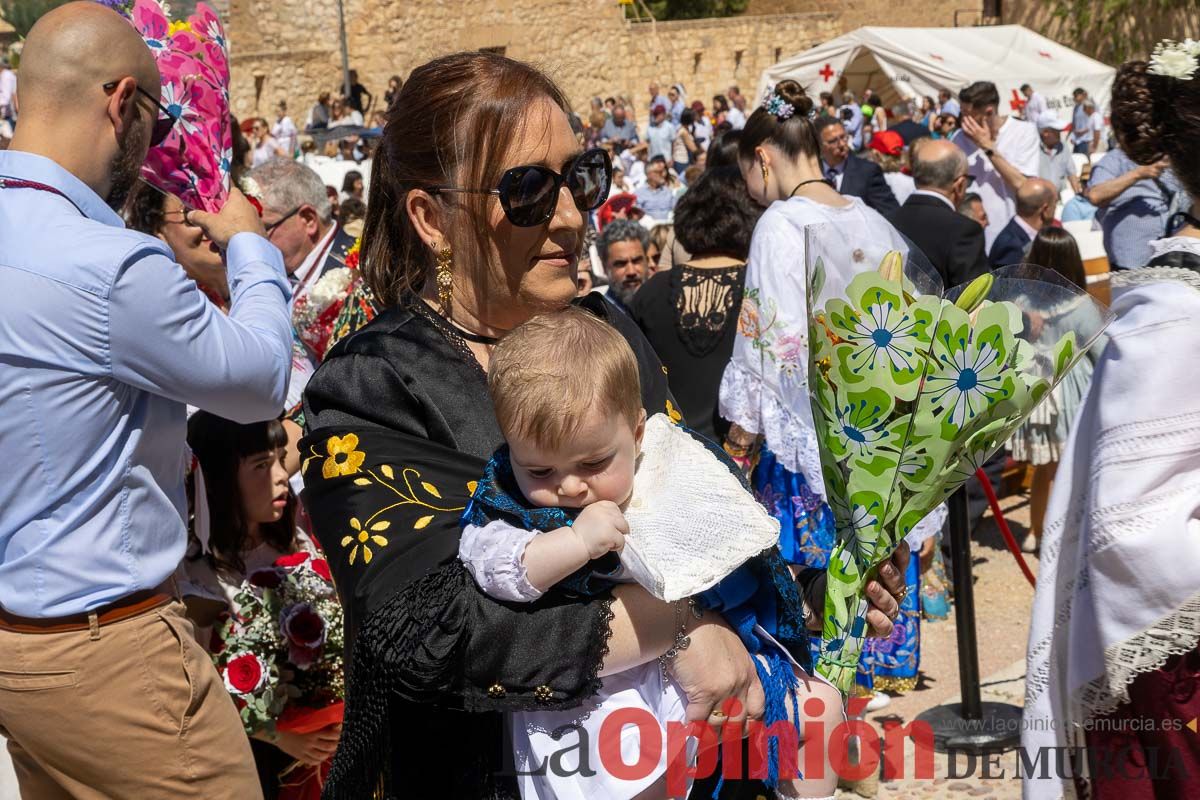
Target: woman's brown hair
(795, 136)
(449, 126)
(1055, 249)
(1155, 116)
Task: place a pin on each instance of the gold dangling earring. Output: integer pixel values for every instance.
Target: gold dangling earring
(444, 278)
(765, 173)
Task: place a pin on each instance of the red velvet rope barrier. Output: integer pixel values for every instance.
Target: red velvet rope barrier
(1003, 524)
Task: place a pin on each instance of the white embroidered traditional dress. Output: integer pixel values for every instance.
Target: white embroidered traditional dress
(1119, 586)
(765, 387)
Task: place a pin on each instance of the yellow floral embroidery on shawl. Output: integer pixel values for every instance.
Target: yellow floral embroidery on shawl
(408, 488)
(344, 457)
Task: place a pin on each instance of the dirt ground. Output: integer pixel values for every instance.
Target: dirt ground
(1003, 600)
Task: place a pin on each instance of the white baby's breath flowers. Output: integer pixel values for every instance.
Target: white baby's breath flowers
(1178, 60)
(332, 286)
(250, 187)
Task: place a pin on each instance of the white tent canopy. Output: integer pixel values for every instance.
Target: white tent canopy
(908, 63)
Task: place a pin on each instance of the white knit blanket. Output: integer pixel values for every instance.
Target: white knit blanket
(691, 523)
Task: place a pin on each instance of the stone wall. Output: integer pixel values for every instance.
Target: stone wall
(290, 50)
(853, 14)
(708, 56)
(1142, 31)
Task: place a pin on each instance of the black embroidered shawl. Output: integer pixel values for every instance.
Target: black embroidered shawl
(400, 425)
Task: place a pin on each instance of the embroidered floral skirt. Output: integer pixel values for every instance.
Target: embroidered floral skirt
(806, 537)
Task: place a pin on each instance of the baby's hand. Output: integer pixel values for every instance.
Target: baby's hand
(601, 527)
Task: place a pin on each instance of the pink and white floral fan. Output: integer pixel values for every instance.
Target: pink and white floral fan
(193, 162)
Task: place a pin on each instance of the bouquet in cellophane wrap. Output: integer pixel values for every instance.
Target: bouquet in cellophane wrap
(912, 389)
(281, 653)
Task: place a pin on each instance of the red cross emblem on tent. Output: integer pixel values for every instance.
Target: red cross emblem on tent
(1017, 101)
(826, 72)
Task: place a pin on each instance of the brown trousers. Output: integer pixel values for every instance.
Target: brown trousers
(139, 713)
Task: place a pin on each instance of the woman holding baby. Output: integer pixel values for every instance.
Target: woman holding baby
(470, 234)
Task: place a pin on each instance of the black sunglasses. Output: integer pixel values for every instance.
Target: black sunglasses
(529, 194)
(162, 125)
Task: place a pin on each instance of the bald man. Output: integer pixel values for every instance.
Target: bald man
(953, 243)
(1036, 201)
(104, 342)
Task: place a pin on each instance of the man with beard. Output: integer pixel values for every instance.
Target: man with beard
(622, 247)
(104, 341)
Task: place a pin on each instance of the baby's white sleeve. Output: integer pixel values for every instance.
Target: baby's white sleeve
(494, 554)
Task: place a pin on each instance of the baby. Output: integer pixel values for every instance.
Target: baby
(574, 433)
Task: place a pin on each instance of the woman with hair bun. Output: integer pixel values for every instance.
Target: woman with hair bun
(1113, 663)
(764, 392)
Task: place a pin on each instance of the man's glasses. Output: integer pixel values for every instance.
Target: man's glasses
(162, 125)
(529, 194)
(269, 229)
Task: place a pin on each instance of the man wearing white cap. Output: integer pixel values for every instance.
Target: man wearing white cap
(1054, 162)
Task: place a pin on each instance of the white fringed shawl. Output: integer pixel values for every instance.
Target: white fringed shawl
(1119, 587)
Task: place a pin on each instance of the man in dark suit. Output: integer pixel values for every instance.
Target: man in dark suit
(952, 242)
(849, 173)
(902, 123)
(1036, 201)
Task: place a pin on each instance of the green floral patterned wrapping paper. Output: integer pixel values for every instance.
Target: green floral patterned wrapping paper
(912, 389)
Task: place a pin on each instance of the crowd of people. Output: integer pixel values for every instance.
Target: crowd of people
(375, 381)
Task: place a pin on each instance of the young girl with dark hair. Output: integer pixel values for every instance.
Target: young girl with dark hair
(244, 520)
(1113, 662)
(1040, 441)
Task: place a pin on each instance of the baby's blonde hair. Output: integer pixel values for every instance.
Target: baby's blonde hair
(546, 374)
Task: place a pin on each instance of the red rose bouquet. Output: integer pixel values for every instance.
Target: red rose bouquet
(281, 649)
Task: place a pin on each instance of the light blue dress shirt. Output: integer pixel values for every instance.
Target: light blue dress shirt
(104, 341)
(658, 203)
